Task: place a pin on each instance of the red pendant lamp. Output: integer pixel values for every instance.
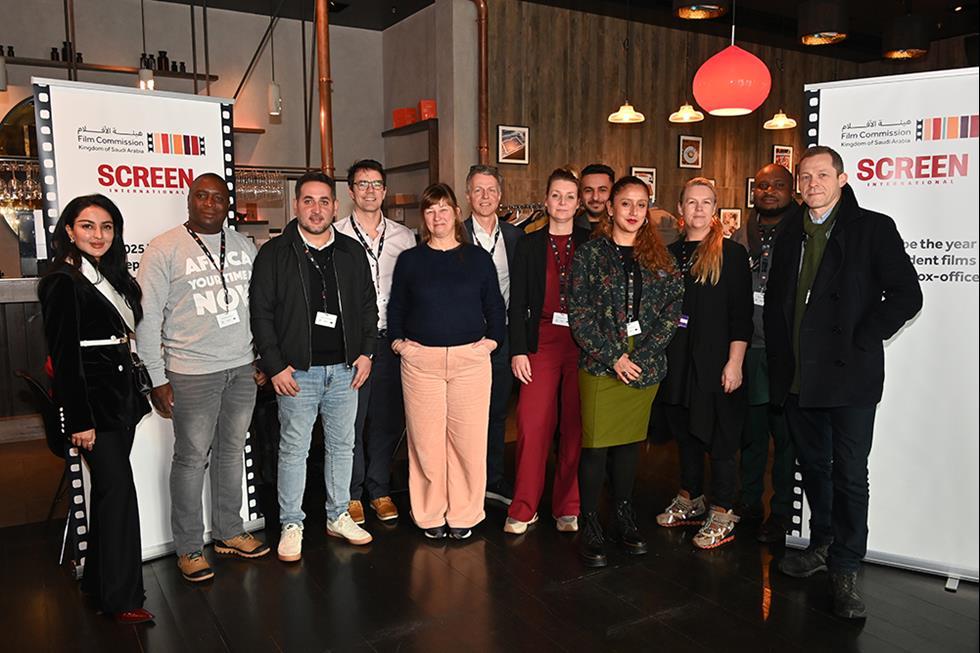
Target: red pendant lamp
(733, 82)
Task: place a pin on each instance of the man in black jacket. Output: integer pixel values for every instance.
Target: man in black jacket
(314, 320)
(840, 285)
(499, 238)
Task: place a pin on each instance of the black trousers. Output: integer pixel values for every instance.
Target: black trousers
(378, 425)
(500, 390)
(724, 470)
(620, 463)
(832, 447)
(113, 572)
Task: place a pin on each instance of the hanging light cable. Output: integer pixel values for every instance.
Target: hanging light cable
(275, 92)
(626, 113)
(779, 119)
(145, 75)
(733, 82)
(686, 113)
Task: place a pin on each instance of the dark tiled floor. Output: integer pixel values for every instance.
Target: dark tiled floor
(491, 593)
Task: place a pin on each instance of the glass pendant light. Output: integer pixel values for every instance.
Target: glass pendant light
(626, 114)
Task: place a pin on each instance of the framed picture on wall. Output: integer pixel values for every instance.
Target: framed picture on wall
(731, 220)
(689, 152)
(783, 155)
(649, 176)
(512, 144)
(749, 190)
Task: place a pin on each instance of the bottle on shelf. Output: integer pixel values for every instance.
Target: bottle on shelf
(162, 60)
(54, 55)
(10, 51)
(183, 67)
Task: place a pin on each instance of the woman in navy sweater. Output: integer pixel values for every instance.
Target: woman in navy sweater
(445, 317)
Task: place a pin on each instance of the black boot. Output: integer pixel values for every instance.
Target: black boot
(624, 530)
(774, 529)
(847, 601)
(591, 542)
(805, 563)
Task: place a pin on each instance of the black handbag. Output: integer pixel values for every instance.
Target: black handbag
(141, 378)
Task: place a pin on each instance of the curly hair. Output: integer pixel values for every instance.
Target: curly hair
(648, 248)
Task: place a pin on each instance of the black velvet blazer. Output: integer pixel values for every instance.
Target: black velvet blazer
(93, 386)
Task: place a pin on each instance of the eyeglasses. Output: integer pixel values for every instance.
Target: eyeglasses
(377, 184)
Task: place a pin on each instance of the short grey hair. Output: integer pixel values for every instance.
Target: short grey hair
(480, 169)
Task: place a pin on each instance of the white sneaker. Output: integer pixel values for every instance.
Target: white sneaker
(345, 528)
(291, 543)
(567, 523)
(515, 527)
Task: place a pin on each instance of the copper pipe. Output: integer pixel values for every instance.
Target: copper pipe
(323, 67)
(193, 46)
(483, 148)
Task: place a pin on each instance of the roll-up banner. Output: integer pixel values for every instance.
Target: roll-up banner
(909, 144)
(141, 149)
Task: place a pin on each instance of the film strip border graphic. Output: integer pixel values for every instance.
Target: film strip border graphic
(45, 144)
(943, 128)
(163, 143)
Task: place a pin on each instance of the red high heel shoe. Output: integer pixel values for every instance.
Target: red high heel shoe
(137, 616)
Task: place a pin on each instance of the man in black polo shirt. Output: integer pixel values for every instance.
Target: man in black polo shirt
(314, 320)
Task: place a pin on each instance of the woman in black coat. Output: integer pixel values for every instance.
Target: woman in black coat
(702, 396)
(91, 305)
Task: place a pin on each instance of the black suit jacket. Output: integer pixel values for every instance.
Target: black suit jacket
(865, 290)
(508, 233)
(93, 386)
(527, 279)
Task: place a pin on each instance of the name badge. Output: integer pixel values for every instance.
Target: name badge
(559, 319)
(682, 322)
(759, 298)
(633, 328)
(227, 319)
(325, 319)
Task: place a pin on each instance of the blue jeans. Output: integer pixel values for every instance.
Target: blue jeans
(323, 390)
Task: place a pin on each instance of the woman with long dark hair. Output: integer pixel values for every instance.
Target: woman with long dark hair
(91, 305)
(703, 397)
(624, 308)
(445, 316)
(544, 358)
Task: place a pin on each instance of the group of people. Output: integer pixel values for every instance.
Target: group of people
(776, 332)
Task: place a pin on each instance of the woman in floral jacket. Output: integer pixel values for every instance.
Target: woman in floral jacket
(623, 310)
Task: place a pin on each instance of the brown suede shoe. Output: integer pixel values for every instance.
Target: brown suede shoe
(385, 508)
(245, 545)
(194, 567)
(356, 510)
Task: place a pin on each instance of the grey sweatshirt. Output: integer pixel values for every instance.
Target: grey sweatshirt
(184, 305)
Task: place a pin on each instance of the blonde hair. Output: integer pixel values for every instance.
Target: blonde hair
(707, 258)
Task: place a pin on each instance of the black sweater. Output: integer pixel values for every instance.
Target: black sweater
(445, 299)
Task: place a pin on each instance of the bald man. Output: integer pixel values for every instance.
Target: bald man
(773, 200)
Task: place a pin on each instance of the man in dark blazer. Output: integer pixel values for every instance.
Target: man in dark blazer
(499, 238)
(840, 285)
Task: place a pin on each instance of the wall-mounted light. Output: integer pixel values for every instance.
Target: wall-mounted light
(692, 10)
(822, 22)
(906, 37)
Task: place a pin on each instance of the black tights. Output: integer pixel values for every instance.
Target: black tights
(622, 462)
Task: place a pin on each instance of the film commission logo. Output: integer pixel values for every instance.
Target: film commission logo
(143, 179)
(921, 170)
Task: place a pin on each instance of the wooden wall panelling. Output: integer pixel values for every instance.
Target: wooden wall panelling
(561, 73)
(21, 347)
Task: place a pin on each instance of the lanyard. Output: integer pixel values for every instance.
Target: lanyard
(220, 267)
(323, 277)
(629, 269)
(562, 270)
(370, 252)
(685, 260)
(496, 237)
(765, 255)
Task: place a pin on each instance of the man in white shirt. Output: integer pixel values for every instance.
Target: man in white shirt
(380, 413)
(499, 238)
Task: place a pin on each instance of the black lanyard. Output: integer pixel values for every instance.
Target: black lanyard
(765, 255)
(220, 267)
(323, 277)
(629, 269)
(563, 274)
(367, 248)
(685, 260)
(496, 237)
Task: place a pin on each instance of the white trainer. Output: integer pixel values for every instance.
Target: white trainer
(567, 523)
(291, 543)
(345, 528)
(516, 527)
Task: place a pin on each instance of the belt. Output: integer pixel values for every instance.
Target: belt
(105, 342)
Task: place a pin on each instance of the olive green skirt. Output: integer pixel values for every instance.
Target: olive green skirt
(612, 412)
